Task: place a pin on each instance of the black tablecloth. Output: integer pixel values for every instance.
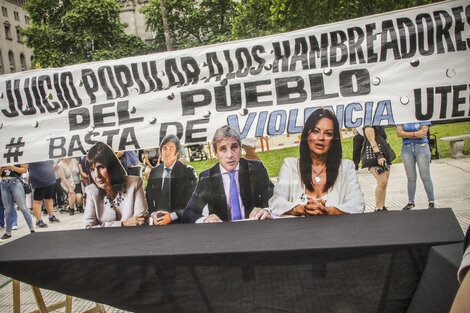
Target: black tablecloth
(351, 263)
(438, 284)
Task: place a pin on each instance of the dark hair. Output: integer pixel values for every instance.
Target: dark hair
(333, 156)
(171, 138)
(105, 155)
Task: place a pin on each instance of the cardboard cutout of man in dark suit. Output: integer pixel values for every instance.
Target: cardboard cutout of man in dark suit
(212, 200)
(170, 185)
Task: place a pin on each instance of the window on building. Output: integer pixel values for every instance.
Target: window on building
(5, 11)
(7, 30)
(1, 64)
(18, 35)
(23, 62)
(11, 59)
(26, 19)
(17, 16)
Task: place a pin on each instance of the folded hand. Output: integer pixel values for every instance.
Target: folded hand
(213, 218)
(163, 219)
(260, 214)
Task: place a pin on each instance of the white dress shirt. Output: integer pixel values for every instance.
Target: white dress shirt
(226, 182)
(289, 191)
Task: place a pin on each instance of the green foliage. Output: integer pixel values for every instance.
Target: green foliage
(274, 158)
(195, 23)
(76, 31)
(263, 17)
(191, 22)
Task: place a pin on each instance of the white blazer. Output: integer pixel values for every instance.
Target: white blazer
(289, 191)
(130, 202)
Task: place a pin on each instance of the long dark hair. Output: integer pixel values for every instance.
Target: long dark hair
(333, 156)
(105, 155)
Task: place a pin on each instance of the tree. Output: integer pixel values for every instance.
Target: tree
(66, 32)
(191, 22)
(166, 30)
(263, 17)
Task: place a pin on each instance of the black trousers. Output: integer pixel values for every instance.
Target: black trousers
(358, 141)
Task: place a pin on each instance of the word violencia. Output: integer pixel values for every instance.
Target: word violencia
(105, 124)
(426, 34)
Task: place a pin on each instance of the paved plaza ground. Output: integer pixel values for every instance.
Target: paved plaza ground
(451, 178)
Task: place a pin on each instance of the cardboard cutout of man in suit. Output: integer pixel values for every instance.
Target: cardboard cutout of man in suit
(214, 199)
(170, 185)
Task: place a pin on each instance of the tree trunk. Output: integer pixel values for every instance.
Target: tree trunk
(166, 30)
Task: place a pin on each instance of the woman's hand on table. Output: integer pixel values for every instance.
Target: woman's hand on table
(315, 206)
(137, 220)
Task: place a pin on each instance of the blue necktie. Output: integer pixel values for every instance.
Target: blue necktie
(234, 203)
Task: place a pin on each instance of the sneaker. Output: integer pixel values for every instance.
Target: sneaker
(15, 227)
(6, 236)
(32, 231)
(41, 224)
(71, 211)
(384, 209)
(409, 206)
(431, 205)
(53, 219)
(63, 210)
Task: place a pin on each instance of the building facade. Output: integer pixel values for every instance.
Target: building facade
(14, 55)
(134, 19)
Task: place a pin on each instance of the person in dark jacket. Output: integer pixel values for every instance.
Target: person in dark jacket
(170, 185)
(233, 189)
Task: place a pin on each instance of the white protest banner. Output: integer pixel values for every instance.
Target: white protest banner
(385, 69)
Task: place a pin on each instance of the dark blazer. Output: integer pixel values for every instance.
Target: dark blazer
(183, 181)
(255, 190)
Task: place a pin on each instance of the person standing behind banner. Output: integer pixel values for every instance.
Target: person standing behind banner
(249, 145)
(131, 162)
(358, 142)
(170, 184)
(114, 198)
(234, 189)
(58, 198)
(42, 179)
(29, 196)
(2, 212)
(151, 158)
(415, 151)
(13, 191)
(381, 172)
(69, 173)
(2, 215)
(83, 171)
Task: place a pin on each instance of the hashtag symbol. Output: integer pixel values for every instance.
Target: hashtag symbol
(14, 149)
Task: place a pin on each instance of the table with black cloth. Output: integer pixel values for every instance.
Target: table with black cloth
(374, 262)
